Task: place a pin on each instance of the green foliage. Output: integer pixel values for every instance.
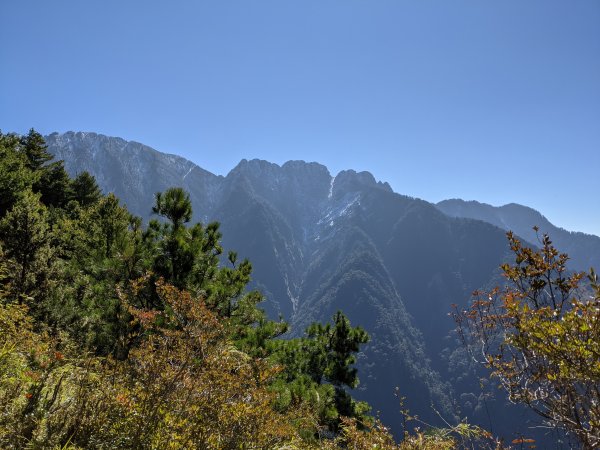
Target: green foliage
(15, 177)
(335, 347)
(186, 257)
(175, 205)
(113, 221)
(25, 234)
(25, 165)
(120, 336)
(540, 337)
(181, 387)
(85, 189)
(319, 366)
(35, 150)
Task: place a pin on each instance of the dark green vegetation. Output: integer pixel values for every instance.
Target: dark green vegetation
(319, 244)
(140, 332)
(122, 335)
(88, 294)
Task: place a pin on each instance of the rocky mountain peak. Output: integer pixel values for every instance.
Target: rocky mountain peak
(320, 243)
(303, 168)
(350, 180)
(255, 168)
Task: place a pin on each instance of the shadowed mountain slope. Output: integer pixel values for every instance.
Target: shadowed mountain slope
(583, 249)
(320, 243)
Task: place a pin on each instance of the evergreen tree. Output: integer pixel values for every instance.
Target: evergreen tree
(15, 176)
(113, 221)
(88, 270)
(334, 360)
(188, 258)
(85, 190)
(35, 149)
(319, 367)
(25, 234)
(185, 257)
(175, 205)
(54, 184)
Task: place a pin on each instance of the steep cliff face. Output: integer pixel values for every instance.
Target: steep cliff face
(320, 243)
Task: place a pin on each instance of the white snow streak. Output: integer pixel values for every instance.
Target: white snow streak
(188, 172)
(331, 188)
(293, 299)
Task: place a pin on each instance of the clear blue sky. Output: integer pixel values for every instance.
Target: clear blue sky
(497, 101)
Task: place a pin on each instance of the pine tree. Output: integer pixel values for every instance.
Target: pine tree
(15, 176)
(319, 367)
(85, 190)
(35, 149)
(335, 358)
(113, 220)
(54, 184)
(25, 234)
(175, 205)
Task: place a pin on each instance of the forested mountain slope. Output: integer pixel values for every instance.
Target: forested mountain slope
(319, 243)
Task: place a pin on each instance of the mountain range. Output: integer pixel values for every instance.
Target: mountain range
(320, 243)
(582, 248)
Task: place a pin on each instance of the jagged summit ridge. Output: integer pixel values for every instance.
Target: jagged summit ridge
(291, 221)
(319, 243)
(81, 150)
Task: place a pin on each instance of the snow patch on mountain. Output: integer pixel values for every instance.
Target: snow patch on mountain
(331, 188)
(293, 298)
(343, 208)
